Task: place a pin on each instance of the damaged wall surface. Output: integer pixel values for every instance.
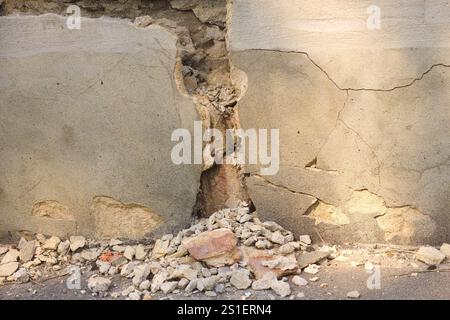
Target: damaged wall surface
(363, 113)
(87, 115)
(86, 120)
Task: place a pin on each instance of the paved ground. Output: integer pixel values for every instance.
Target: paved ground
(339, 277)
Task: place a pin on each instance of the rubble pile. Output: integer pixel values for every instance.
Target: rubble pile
(230, 249)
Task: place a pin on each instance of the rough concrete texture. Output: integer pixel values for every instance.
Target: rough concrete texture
(363, 115)
(89, 113)
(114, 219)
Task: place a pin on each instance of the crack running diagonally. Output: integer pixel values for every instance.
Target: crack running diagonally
(279, 186)
(332, 130)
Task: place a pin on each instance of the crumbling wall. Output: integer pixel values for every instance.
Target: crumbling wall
(362, 112)
(363, 115)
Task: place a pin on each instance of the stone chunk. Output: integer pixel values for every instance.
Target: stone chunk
(3, 250)
(283, 263)
(98, 284)
(168, 287)
(129, 252)
(8, 269)
(160, 249)
(51, 243)
(240, 279)
(63, 247)
(288, 248)
(265, 282)
(159, 279)
(90, 254)
(140, 274)
(312, 269)
(306, 239)
(217, 247)
(207, 284)
(27, 251)
(430, 255)
(353, 295)
(281, 288)
(445, 249)
(184, 271)
(277, 238)
(307, 258)
(11, 256)
(77, 242)
(145, 285)
(140, 252)
(299, 281)
(258, 262)
(21, 276)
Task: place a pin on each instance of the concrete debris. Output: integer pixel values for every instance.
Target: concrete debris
(288, 263)
(3, 250)
(168, 287)
(306, 239)
(353, 295)
(158, 280)
(51, 243)
(307, 258)
(207, 284)
(265, 282)
(140, 252)
(182, 284)
(312, 269)
(209, 256)
(281, 288)
(103, 266)
(21, 276)
(11, 256)
(27, 251)
(129, 253)
(299, 281)
(240, 279)
(430, 255)
(63, 247)
(98, 284)
(135, 295)
(8, 268)
(445, 249)
(141, 273)
(288, 248)
(77, 242)
(216, 248)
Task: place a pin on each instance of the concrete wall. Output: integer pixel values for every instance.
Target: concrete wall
(86, 122)
(364, 115)
(86, 118)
